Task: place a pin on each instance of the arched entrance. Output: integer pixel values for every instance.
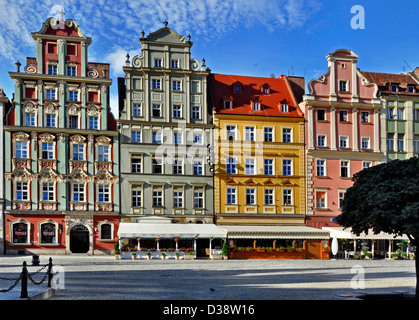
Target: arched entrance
(79, 239)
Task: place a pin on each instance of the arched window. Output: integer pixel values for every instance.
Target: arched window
(20, 231)
(48, 232)
(105, 230)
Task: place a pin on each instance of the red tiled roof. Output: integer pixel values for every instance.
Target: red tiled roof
(280, 92)
(385, 80)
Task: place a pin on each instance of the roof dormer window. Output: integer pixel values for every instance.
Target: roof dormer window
(237, 87)
(284, 107)
(265, 88)
(394, 88)
(256, 105)
(411, 89)
(228, 104)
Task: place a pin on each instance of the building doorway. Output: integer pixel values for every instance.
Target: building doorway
(202, 248)
(79, 239)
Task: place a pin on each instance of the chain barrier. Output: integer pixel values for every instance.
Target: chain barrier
(29, 276)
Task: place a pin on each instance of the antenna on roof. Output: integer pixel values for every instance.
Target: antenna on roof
(408, 65)
(272, 75)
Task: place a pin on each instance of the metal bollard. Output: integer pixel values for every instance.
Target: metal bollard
(24, 288)
(49, 272)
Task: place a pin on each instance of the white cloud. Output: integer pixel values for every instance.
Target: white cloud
(117, 59)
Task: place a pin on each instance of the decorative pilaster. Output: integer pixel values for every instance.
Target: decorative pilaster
(310, 128)
(332, 128)
(355, 146)
(61, 56)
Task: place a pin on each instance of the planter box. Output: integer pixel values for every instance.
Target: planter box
(254, 254)
(216, 257)
(188, 257)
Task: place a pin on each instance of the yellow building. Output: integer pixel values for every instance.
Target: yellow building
(259, 175)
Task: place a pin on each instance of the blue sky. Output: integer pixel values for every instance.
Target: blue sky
(245, 37)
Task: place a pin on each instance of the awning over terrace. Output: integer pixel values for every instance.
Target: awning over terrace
(169, 230)
(342, 233)
(274, 232)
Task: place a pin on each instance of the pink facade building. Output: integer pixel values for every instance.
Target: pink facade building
(342, 113)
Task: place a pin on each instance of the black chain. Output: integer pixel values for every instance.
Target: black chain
(30, 276)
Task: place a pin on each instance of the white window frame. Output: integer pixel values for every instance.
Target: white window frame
(252, 196)
(250, 133)
(348, 168)
(287, 194)
(288, 134)
(365, 143)
(324, 136)
(344, 142)
(250, 166)
(231, 195)
(322, 168)
(269, 194)
(269, 134)
(284, 167)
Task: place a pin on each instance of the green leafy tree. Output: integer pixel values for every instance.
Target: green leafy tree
(385, 198)
(224, 250)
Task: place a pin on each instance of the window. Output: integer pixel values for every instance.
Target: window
(284, 108)
(196, 112)
(269, 197)
(321, 114)
(48, 233)
(344, 142)
(390, 141)
(390, 113)
(103, 192)
(47, 151)
(343, 86)
(416, 143)
(256, 106)
(50, 94)
(269, 166)
(343, 115)
(73, 96)
(287, 167)
(197, 139)
(156, 84)
(78, 152)
(30, 119)
(287, 197)
(411, 89)
(156, 137)
(158, 62)
(365, 143)
(250, 196)
(195, 86)
(394, 88)
(237, 88)
(177, 166)
(52, 48)
(157, 164)
(174, 64)
(71, 71)
(73, 122)
(136, 110)
(52, 69)
(231, 196)
(249, 133)
(47, 191)
(268, 134)
(21, 150)
(20, 232)
(400, 142)
(71, 49)
(321, 140)
(321, 168)
(366, 164)
(135, 136)
(106, 231)
(400, 113)
(103, 153)
(136, 196)
(50, 120)
(365, 116)
(321, 199)
(286, 135)
(344, 169)
(78, 192)
(227, 104)
(415, 114)
(177, 137)
(198, 167)
(341, 198)
(156, 110)
(136, 164)
(231, 166)
(250, 166)
(93, 123)
(177, 199)
(231, 132)
(176, 85)
(198, 199)
(22, 191)
(157, 198)
(265, 90)
(177, 111)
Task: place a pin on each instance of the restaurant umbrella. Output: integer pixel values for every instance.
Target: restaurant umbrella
(334, 246)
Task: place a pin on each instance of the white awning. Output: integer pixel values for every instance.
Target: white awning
(346, 233)
(169, 230)
(274, 232)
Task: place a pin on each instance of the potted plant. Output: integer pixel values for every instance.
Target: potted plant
(133, 255)
(177, 255)
(148, 255)
(163, 255)
(116, 250)
(368, 255)
(189, 255)
(224, 251)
